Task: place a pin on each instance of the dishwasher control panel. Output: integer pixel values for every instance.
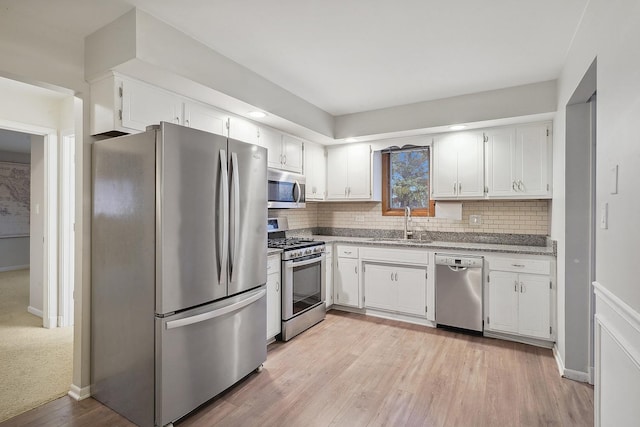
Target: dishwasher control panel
(453, 260)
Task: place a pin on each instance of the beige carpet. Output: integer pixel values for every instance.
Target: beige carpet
(35, 363)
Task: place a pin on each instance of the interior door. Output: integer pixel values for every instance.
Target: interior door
(247, 216)
(189, 244)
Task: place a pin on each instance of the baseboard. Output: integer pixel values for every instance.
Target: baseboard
(35, 311)
(559, 361)
(79, 393)
(14, 267)
(583, 377)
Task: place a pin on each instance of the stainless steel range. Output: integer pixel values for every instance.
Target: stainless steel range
(303, 270)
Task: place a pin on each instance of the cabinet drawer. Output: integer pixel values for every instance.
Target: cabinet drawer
(273, 264)
(402, 256)
(533, 266)
(347, 251)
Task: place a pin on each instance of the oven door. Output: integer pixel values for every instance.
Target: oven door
(302, 285)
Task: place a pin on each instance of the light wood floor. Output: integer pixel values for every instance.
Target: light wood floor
(352, 370)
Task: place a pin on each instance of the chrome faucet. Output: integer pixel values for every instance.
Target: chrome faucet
(407, 219)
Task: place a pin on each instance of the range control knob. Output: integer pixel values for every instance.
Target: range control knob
(307, 252)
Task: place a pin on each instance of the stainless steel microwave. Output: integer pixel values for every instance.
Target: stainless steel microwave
(286, 189)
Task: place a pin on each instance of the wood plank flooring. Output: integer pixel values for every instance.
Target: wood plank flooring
(353, 370)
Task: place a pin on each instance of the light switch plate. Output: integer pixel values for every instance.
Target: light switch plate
(613, 180)
(604, 216)
(475, 219)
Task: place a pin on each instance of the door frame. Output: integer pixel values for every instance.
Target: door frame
(50, 211)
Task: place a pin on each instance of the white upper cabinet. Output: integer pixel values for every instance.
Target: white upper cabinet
(285, 152)
(292, 154)
(353, 173)
(126, 105)
(243, 130)
(315, 171)
(518, 162)
(199, 116)
(458, 166)
(272, 141)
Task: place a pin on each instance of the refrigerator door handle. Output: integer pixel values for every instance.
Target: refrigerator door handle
(224, 243)
(235, 182)
(172, 324)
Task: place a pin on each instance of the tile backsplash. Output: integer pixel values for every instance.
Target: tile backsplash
(497, 216)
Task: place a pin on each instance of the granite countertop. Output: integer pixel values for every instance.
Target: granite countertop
(273, 251)
(484, 247)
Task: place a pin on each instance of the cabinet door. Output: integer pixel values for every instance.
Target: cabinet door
(243, 130)
(315, 171)
(503, 301)
(292, 152)
(533, 306)
(328, 294)
(207, 119)
(531, 165)
(501, 155)
(337, 172)
(272, 141)
(346, 282)
(470, 165)
(411, 284)
(359, 171)
(144, 105)
(274, 303)
(380, 287)
(445, 167)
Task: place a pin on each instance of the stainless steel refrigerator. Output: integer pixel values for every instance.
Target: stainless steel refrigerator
(178, 250)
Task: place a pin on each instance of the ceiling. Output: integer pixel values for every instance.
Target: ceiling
(358, 55)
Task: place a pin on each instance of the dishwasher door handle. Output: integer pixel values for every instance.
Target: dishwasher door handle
(456, 268)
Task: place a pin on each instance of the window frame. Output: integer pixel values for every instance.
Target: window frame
(386, 188)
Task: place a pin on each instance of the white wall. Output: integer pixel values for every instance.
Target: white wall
(610, 32)
(37, 224)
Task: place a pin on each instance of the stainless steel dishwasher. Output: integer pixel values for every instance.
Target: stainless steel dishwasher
(459, 291)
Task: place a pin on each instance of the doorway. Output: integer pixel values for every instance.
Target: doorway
(38, 365)
(580, 226)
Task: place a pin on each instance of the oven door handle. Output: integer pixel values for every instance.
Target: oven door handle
(291, 263)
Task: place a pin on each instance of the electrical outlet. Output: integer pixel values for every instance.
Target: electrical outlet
(359, 218)
(475, 219)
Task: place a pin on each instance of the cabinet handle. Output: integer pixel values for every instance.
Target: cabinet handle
(513, 185)
(392, 277)
(345, 191)
(459, 188)
(268, 267)
(522, 288)
(515, 286)
(177, 119)
(355, 269)
(520, 185)
(517, 265)
(187, 122)
(454, 188)
(277, 286)
(396, 277)
(285, 159)
(347, 252)
(349, 190)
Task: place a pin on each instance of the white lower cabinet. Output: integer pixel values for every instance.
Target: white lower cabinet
(346, 277)
(328, 277)
(274, 297)
(520, 303)
(395, 288)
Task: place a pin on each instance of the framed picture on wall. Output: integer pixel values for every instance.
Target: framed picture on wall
(15, 199)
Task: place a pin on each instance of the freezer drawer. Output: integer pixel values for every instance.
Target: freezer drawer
(202, 352)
